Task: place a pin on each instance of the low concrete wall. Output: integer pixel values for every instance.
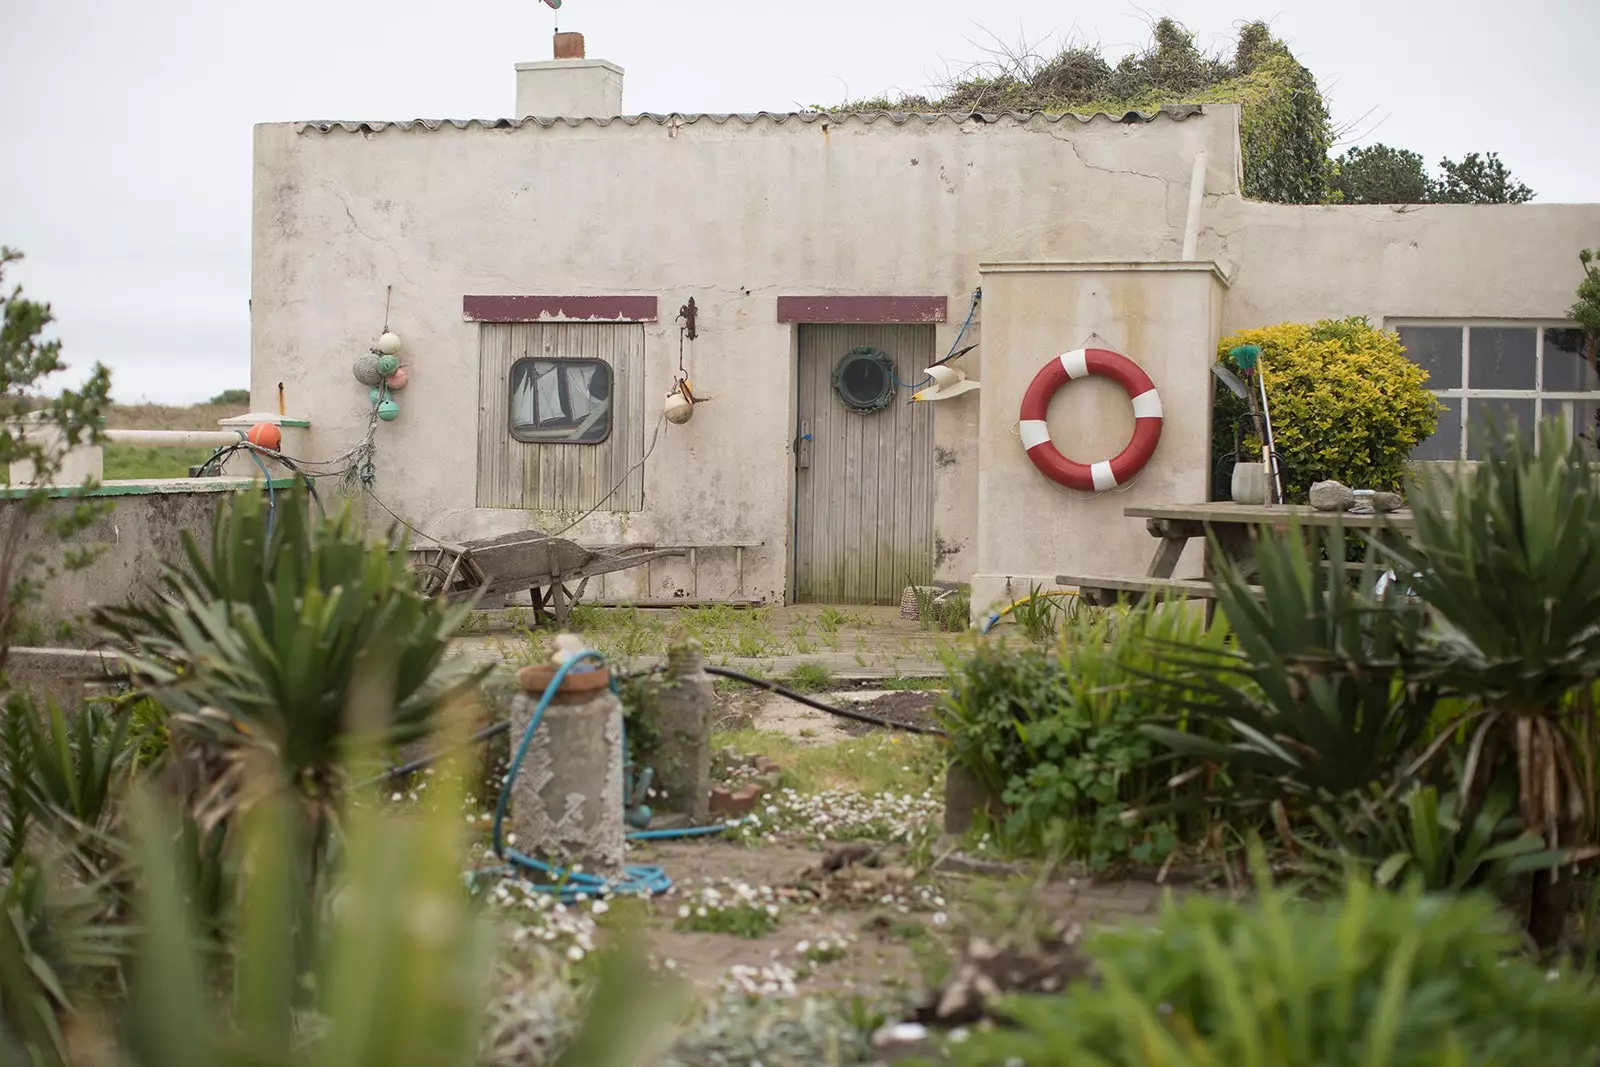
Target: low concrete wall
(140, 527)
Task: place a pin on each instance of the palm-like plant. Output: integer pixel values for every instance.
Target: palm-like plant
(292, 636)
(1508, 562)
(1313, 701)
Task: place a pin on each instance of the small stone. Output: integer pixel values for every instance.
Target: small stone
(1332, 496)
(1382, 502)
(771, 780)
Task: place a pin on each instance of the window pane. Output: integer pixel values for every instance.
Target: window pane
(560, 401)
(1582, 417)
(1446, 440)
(1500, 357)
(1489, 419)
(1437, 350)
(1567, 367)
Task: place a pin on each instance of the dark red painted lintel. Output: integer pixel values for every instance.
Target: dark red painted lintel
(867, 309)
(559, 308)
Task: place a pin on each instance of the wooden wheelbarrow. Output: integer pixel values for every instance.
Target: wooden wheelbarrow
(544, 565)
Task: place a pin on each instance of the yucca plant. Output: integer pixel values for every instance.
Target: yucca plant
(1508, 563)
(1435, 839)
(1365, 978)
(1313, 701)
(292, 635)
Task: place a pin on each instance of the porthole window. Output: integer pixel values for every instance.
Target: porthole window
(864, 380)
(560, 401)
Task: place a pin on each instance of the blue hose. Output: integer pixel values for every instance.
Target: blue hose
(569, 885)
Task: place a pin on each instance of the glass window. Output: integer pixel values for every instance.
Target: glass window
(1582, 418)
(560, 401)
(1446, 440)
(1501, 357)
(1437, 350)
(1569, 363)
(1489, 418)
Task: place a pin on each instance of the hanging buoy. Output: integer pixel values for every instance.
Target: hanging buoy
(387, 365)
(389, 343)
(375, 394)
(265, 435)
(397, 380)
(388, 410)
(1106, 474)
(365, 368)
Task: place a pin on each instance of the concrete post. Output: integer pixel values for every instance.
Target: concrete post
(566, 804)
(680, 704)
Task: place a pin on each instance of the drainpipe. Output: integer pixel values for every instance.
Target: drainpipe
(1197, 192)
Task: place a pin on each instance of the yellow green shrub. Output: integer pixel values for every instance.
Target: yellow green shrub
(1346, 403)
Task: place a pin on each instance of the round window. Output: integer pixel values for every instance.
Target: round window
(864, 380)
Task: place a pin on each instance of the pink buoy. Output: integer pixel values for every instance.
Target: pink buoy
(397, 380)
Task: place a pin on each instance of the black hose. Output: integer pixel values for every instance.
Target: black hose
(496, 729)
(843, 713)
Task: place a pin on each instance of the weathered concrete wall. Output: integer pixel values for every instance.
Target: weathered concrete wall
(137, 531)
(1466, 261)
(737, 211)
(1165, 314)
(732, 212)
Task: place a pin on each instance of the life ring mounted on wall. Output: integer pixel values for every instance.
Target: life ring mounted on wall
(1107, 474)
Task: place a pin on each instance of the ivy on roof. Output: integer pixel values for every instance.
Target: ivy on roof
(1284, 124)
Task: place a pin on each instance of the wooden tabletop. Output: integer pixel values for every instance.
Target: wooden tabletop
(1225, 512)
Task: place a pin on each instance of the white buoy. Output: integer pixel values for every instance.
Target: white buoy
(389, 343)
(679, 408)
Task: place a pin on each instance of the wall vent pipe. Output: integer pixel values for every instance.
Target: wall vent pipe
(1197, 193)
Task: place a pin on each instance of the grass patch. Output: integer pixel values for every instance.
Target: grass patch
(876, 763)
(809, 678)
(140, 462)
(914, 685)
(738, 920)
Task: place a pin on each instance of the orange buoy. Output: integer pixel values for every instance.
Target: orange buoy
(265, 435)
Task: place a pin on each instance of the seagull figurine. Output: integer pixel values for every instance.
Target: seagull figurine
(947, 382)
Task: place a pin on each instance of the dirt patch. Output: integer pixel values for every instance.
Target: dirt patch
(905, 707)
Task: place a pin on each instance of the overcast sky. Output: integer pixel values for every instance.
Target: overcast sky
(125, 167)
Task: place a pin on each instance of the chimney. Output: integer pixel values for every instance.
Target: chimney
(569, 86)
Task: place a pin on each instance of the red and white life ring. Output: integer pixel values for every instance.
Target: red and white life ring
(1107, 474)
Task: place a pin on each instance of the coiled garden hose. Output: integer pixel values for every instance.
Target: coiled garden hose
(569, 885)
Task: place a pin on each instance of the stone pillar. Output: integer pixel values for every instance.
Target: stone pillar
(566, 804)
(680, 705)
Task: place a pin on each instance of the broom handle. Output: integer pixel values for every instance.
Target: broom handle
(1272, 452)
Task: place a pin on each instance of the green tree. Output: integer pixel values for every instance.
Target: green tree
(1477, 179)
(1378, 174)
(231, 396)
(36, 434)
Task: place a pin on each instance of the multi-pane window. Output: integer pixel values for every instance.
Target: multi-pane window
(560, 401)
(1499, 375)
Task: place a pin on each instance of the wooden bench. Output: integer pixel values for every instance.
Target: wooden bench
(1104, 590)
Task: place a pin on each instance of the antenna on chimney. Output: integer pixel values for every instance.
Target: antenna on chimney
(554, 5)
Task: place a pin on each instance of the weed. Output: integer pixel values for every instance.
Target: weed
(739, 920)
(809, 678)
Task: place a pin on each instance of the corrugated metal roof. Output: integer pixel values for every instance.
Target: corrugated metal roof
(1175, 112)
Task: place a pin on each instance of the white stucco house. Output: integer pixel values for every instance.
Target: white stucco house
(540, 270)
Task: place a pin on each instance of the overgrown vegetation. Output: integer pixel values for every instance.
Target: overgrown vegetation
(1346, 404)
(1056, 733)
(1285, 128)
(1362, 979)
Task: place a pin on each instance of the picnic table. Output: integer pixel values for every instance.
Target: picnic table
(1234, 528)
